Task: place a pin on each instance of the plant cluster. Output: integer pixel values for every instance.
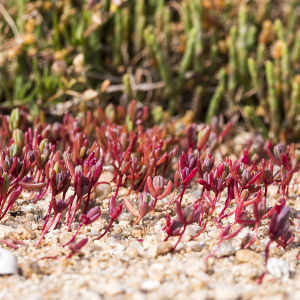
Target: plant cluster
(67, 159)
(242, 55)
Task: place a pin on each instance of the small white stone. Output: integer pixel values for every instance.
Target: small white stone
(227, 292)
(191, 230)
(8, 263)
(65, 237)
(226, 249)
(152, 251)
(157, 267)
(29, 208)
(150, 285)
(111, 241)
(113, 288)
(195, 246)
(278, 268)
(5, 231)
(150, 240)
(102, 190)
(192, 265)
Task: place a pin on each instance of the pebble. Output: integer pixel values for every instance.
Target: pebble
(195, 246)
(65, 237)
(149, 285)
(226, 249)
(113, 288)
(159, 249)
(137, 233)
(193, 265)
(29, 208)
(107, 175)
(246, 255)
(132, 252)
(150, 240)
(227, 292)
(103, 190)
(6, 231)
(8, 263)
(26, 232)
(278, 268)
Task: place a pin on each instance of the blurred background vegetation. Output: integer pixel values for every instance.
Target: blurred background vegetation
(238, 58)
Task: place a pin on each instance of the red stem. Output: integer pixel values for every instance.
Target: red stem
(46, 231)
(74, 236)
(184, 228)
(106, 230)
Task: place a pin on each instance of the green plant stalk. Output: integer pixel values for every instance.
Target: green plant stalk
(159, 11)
(278, 77)
(292, 18)
(296, 48)
(232, 79)
(127, 89)
(216, 100)
(253, 70)
(273, 101)
(19, 21)
(125, 15)
(242, 44)
(251, 37)
(196, 102)
(164, 70)
(256, 121)
(117, 41)
(106, 6)
(187, 59)
(260, 53)
(213, 53)
(196, 12)
(187, 19)
(285, 73)
(166, 28)
(295, 104)
(279, 29)
(139, 25)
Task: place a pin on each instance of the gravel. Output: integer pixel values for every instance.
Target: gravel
(134, 262)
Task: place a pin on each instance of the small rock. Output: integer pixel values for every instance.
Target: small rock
(137, 233)
(26, 232)
(246, 255)
(195, 246)
(278, 268)
(152, 251)
(132, 252)
(150, 240)
(122, 191)
(8, 263)
(138, 246)
(164, 248)
(191, 230)
(107, 175)
(193, 265)
(150, 285)
(6, 231)
(102, 190)
(65, 237)
(113, 288)
(28, 268)
(227, 292)
(29, 208)
(74, 225)
(226, 249)
(111, 241)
